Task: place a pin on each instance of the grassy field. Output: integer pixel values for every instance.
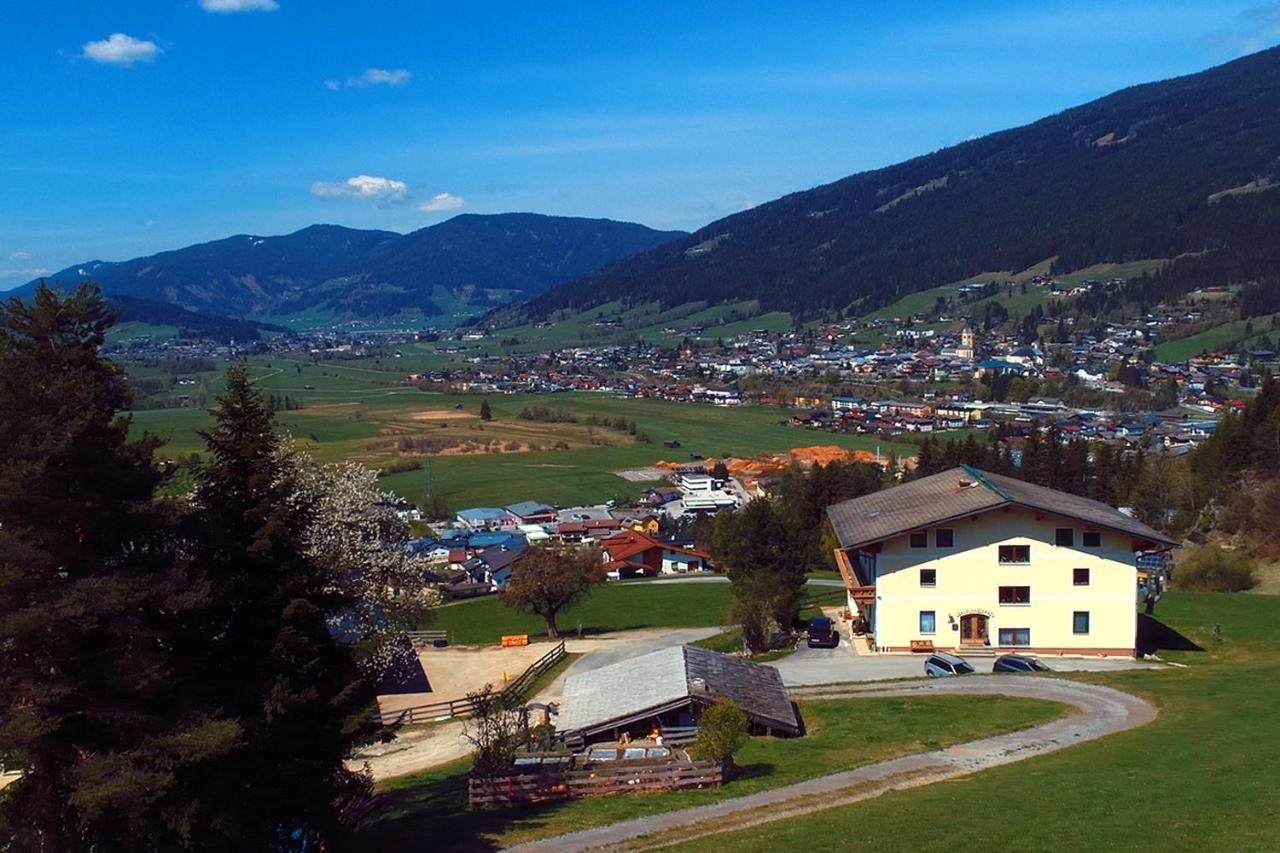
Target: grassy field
(1017, 303)
(612, 607)
(431, 808)
(1213, 339)
(1203, 776)
(646, 321)
(358, 412)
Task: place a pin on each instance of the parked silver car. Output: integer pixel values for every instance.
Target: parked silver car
(941, 663)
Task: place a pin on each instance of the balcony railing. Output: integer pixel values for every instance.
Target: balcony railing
(860, 593)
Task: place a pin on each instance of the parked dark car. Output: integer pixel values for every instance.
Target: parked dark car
(823, 633)
(941, 663)
(1018, 663)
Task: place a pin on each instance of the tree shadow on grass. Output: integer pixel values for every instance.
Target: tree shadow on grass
(757, 770)
(1154, 636)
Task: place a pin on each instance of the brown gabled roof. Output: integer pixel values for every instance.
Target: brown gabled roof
(629, 543)
(961, 492)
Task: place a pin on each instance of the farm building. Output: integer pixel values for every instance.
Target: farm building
(981, 562)
(670, 687)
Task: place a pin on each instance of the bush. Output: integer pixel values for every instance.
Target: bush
(721, 732)
(1210, 568)
(399, 466)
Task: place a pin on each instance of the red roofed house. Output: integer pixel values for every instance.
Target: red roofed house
(632, 553)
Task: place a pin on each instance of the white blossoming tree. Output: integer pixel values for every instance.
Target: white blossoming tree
(355, 532)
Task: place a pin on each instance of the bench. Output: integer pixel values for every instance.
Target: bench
(439, 639)
(922, 646)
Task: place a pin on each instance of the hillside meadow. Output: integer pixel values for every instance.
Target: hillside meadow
(362, 412)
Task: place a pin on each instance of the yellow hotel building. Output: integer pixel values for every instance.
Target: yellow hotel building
(967, 560)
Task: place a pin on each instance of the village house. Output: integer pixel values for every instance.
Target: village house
(967, 560)
(631, 553)
(532, 512)
(487, 518)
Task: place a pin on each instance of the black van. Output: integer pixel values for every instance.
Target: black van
(823, 633)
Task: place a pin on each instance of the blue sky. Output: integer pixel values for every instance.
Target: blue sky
(132, 127)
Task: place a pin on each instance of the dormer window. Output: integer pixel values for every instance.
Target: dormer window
(1064, 537)
(944, 537)
(919, 539)
(1091, 539)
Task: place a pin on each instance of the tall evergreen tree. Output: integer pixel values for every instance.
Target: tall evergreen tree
(1035, 462)
(87, 585)
(263, 655)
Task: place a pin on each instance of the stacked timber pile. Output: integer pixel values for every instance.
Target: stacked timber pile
(750, 471)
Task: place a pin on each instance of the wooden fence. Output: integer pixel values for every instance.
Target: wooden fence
(595, 781)
(428, 638)
(514, 691)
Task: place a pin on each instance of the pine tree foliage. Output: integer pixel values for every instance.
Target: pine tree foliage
(263, 654)
(88, 586)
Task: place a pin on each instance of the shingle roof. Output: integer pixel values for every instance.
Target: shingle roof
(662, 680)
(966, 491)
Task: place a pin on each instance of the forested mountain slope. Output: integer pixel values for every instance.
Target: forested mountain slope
(349, 273)
(1185, 167)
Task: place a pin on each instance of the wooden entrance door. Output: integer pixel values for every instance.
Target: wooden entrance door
(973, 629)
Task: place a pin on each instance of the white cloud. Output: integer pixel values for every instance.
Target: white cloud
(120, 49)
(229, 6)
(363, 186)
(441, 201)
(371, 77)
(19, 256)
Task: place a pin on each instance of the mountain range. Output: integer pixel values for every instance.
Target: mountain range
(1184, 170)
(471, 262)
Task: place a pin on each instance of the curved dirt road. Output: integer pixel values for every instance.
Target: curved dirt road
(1101, 711)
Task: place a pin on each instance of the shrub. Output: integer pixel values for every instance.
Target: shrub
(1210, 568)
(399, 466)
(721, 732)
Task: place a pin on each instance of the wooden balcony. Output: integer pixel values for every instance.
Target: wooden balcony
(860, 593)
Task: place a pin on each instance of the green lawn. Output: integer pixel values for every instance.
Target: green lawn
(430, 809)
(1203, 776)
(353, 411)
(1017, 303)
(1213, 339)
(612, 607)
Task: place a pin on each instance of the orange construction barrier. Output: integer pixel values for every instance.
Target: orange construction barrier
(515, 640)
